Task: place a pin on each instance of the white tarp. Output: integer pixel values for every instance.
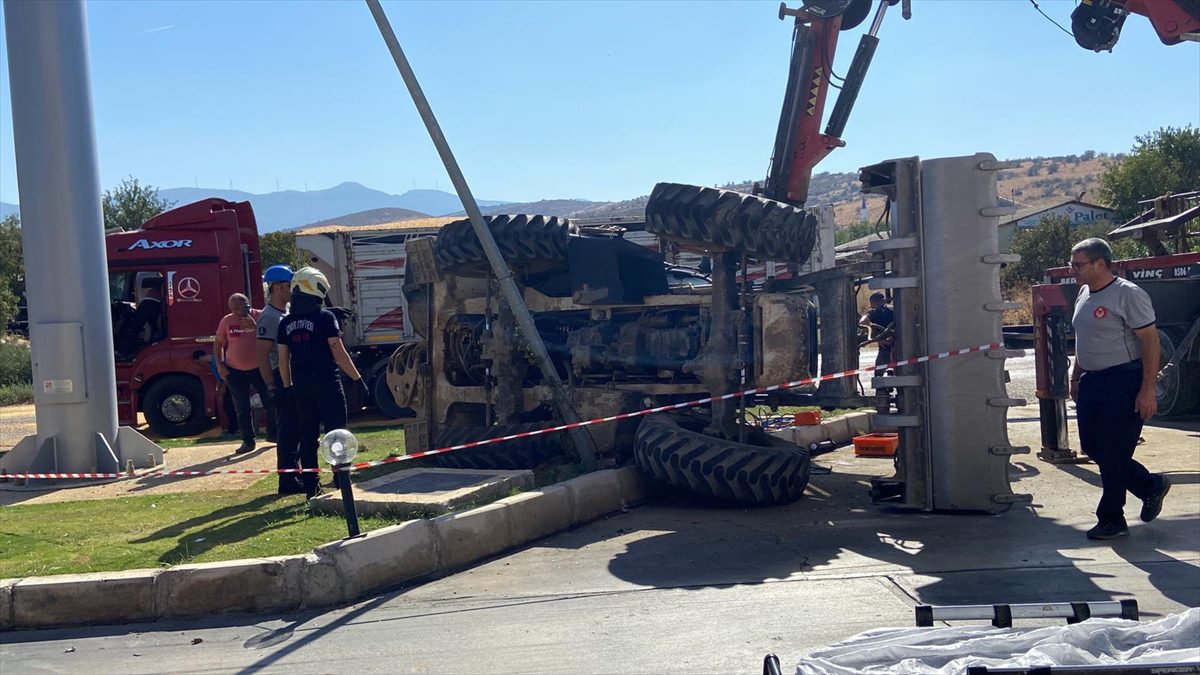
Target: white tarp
(1174, 639)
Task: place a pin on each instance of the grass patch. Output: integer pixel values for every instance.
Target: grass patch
(765, 411)
(158, 530)
(16, 394)
(148, 531)
(16, 371)
(16, 361)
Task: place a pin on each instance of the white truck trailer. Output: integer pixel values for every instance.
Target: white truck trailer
(365, 267)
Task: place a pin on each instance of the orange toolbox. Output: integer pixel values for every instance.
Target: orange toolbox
(876, 445)
(808, 417)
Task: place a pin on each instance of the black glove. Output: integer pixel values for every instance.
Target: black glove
(364, 394)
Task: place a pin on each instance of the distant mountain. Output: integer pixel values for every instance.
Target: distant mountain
(1038, 181)
(372, 217)
(292, 208)
(6, 209)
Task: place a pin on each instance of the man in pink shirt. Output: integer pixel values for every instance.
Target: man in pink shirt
(236, 351)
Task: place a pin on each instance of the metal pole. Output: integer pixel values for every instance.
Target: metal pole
(63, 236)
(341, 477)
(583, 442)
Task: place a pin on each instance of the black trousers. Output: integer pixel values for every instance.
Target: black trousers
(240, 382)
(884, 356)
(1109, 426)
(319, 405)
(287, 450)
(230, 410)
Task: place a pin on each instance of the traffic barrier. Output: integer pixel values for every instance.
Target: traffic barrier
(159, 473)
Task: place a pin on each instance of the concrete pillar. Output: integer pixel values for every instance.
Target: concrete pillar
(63, 236)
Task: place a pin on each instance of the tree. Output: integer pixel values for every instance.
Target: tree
(12, 269)
(1167, 160)
(852, 232)
(279, 248)
(130, 204)
(1048, 244)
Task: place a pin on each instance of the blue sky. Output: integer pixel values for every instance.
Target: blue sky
(594, 100)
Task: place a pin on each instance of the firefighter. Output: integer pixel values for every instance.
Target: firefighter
(310, 354)
(278, 279)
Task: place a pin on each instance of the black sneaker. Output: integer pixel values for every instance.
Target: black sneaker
(1153, 505)
(245, 447)
(1108, 531)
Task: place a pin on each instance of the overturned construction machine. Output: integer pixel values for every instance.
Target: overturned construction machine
(625, 331)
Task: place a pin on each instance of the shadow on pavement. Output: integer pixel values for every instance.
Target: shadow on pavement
(230, 462)
(939, 558)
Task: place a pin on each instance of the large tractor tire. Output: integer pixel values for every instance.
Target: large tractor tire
(1178, 392)
(725, 220)
(673, 450)
(534, 242)
(174, 406)
(519, 453)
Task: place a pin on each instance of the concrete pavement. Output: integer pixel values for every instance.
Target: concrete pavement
(677, 587)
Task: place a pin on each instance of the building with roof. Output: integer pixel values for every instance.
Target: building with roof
(1076, 211)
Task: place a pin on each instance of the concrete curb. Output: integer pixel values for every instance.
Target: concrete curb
(841, 430)
(334, 573)
(6, 606)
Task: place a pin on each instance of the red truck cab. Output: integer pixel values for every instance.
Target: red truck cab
(189, 260)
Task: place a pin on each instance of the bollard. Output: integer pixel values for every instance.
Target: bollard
(339, 447)
(341, 476)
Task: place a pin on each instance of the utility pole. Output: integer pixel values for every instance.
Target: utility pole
(66, 269)
(508, 286)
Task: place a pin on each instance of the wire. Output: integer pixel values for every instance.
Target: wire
(1039, 9)
(885, 218)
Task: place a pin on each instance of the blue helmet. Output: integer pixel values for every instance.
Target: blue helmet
(277, 273)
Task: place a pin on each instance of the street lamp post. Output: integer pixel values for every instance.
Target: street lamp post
(339, 447)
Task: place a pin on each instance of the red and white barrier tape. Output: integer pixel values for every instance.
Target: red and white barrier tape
(158, 473)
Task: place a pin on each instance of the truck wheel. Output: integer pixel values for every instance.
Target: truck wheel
(384, 399)
(1178, 392)
(673, 450)
(174, 406)
(725, 220)
(539, 242)
(403, 374)
(520, 453)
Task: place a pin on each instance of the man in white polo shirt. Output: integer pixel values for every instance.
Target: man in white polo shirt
(1112, 384)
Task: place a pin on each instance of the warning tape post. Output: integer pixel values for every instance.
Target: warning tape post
(160, 473)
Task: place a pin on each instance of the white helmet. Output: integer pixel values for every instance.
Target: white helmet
(310, 281)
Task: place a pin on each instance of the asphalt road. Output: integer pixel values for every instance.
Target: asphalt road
(678, 587)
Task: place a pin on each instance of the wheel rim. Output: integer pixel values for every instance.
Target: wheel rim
(1165, 387)
(176, 408)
